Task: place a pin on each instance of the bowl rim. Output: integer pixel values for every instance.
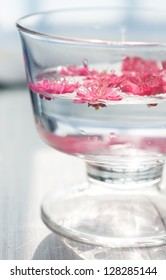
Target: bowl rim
(84, 41)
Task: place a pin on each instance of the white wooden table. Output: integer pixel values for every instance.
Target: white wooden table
(28, 170)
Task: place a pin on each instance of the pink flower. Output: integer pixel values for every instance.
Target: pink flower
(98, 89)
(149, 84)
(142, 77)
(103, 79)
(73, 70)
(139, 65)
(53, 87)
(138, 77)
(94, 94)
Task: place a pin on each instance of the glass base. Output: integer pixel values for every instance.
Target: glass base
(97, 215)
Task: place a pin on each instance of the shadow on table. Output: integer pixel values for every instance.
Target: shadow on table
(54, 247)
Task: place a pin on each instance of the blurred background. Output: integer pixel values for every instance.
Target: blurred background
(11, 62)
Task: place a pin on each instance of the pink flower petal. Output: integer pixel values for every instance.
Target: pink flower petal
(53, 87)
(73, 70)
(148, 84)
(95, 94)
(139, 65)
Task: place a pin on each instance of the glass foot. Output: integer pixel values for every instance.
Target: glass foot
(96, 215)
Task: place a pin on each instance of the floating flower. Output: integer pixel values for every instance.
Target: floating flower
(150, 84)
(139, 65)
(103, 79)
(73, 70)
(97, 89)
(142, 77)
(137, 77)
(53, 87)
(96, 95)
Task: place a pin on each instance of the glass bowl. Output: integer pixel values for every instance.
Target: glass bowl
(97, 81)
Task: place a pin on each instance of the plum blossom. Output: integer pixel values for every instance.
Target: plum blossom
(73, 70)
(142, 77)
(95, 95)
(103, 79)
(53, 87)
(149, 84)
(139, 65)
(137, 77)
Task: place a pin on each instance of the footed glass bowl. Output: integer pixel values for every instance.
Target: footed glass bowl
(97, 80)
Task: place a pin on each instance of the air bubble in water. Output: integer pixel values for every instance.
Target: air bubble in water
(82, 132)
(112, 135)
(85, 63)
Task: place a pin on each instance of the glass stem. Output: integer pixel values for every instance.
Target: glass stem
(126, 177)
